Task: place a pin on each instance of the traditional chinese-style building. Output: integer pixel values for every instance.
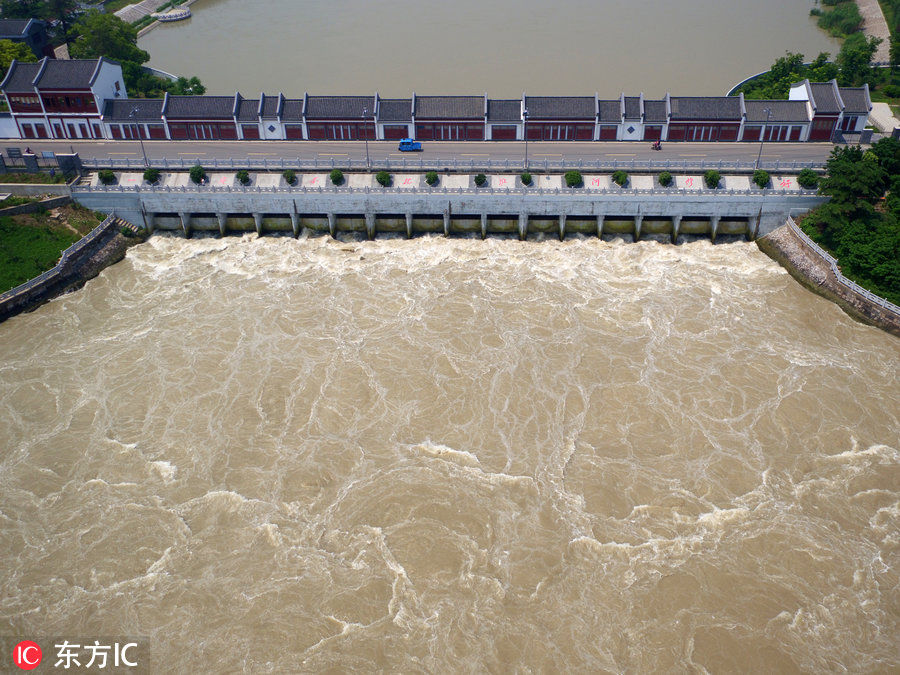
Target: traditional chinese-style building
(87, 99)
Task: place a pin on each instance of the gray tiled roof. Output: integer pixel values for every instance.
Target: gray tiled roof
(856, 100)
(782, 111)
(200, 107)
(395, 110)
(504, 110)
(67, 74)
(248, 109)
(633, 107)
(270, 106)
(824, 99)
(20, 76)
(560, 107)
(611, 111)
(339, 107)
(119, 110)
(654, 111)
(292, 110)
(12, 27)
(706, 108)
(449, 107)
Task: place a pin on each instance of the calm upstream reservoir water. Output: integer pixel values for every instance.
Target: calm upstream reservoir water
(278, 455)
(504, 47)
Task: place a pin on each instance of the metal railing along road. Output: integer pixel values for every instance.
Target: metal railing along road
(844, 281)
(54, 272)
(454, 164)
(249, 189)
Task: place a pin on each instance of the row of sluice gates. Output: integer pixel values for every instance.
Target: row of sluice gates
(458, 225)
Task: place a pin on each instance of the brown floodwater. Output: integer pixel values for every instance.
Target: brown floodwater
(503, 47)
(278, 455)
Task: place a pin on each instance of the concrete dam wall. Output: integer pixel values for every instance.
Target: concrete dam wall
(478, 211)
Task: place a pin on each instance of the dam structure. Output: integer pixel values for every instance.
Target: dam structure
(455, 206)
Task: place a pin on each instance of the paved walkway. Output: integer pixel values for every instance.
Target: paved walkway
(875, 24)
(138, 11)
(883, 117)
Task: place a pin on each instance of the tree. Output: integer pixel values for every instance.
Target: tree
(620, 178)
(10, 50)
(337, 176)
(808, 179)
(665, 179)
(574, 179)
(712, 178)
(63, 11)
(853, 178)
(21, 9)
(761, 178)
(431, 178)
(383, 178)
(107, 35)
(855, 59)
(188, 87)
(197, 173)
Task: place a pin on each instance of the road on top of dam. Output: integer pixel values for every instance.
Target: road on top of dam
(462, 152)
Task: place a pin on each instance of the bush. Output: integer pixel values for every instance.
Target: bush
(574, 179)
(761, 178)
(151, 175)
(197, 174)
(665, 179)
(383, 178)
(243, 177)
(336, 176)
(290, 176)
(891, 90)
(431, 178)
(480, 180)
(808, 179)
(106, 176)
(620, 178)
(843, 20)
(712, 178)
(526, 178)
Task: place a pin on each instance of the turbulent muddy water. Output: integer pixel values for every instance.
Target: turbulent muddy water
(273, 455)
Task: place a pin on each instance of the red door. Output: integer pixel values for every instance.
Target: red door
(503, 132)
(394, 132)
(652, 133)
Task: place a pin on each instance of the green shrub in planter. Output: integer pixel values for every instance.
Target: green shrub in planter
(290, 176)
(808, 179)
(106, 176)
(480, 180)
(383, 178)
(151, 176)
(197, 173)
(243, 177)
(761, 178)
(665, 179)
(431, 178)
(526, 178)
(574, 179)
(620, 178)
(337, 176)
(712, 178)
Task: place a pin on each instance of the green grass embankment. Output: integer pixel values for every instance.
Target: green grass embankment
(31, 244)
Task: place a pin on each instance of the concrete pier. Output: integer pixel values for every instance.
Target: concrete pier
(676, 225)
(370, 225)
(638, 222)
(409, 225)
(257, 220)
(185, 223)
(295, 223)
(222, 218)
(332, 224)
(447, 223)
(523, 226)
(714, 227)
(562, 226)
(484, 219)
(600, 223)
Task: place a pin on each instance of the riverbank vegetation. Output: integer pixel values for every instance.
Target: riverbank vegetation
(860, 225)
(840, 17)
(32, 243)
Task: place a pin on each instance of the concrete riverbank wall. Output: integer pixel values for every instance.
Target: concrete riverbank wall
(81, 261)
(480, 211)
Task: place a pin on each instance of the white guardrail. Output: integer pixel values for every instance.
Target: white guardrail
(423, 164)
(333, 189)
(57, 269)
(844, 281)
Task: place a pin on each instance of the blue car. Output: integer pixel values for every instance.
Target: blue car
(409, 145)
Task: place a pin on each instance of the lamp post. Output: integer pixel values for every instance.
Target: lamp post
(140, 137)
(762, 136)
(366, 134)
(525, 134)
